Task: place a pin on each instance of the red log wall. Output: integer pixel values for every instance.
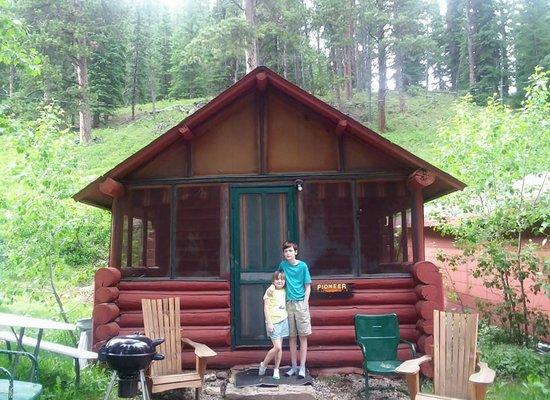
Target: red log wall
(206, 314)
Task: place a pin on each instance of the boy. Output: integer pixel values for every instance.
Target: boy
(298, 289)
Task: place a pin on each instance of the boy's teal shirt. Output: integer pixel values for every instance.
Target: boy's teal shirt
(296, 277)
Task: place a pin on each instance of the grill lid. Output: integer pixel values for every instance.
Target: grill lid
(123, 345)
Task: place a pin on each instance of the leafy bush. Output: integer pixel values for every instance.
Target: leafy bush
(516, 362)
(502, 155)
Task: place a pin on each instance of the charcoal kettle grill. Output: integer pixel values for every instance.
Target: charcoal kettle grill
(128, 357)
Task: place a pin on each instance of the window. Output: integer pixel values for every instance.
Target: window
(145, 249)
(198, 231)
(328, 227)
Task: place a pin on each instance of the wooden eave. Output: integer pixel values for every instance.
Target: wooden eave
(445, 183)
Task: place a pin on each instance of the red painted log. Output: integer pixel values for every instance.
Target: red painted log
(325, 356)
(191, 300)
(190, 317)
(107, 331)
(420, 179)
(427, 273)
(261, 81)
(326, 315)
(171, 285)
(106, 294)
(111, 188)
(341, 127)
(368, 297)
(343, 335)
(98, 345)
(426, 344)
(427, 369)
(107, 277)
(377, 283)
(216, 336)
(104, 313)
(425, 309)
(425, 326)
(185, 132)
(427, 292)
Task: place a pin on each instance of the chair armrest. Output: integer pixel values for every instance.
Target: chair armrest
(411, 367)
(10, 384)
(34, 362)
(201, 350)
(484, 376)
(411, 345)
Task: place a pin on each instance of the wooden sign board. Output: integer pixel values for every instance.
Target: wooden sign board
(332, 289)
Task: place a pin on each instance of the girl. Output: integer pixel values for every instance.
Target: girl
(276, 322)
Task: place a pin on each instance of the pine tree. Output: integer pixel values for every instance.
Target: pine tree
(531, 40)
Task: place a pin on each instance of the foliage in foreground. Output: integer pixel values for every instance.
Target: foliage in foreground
(45, 234)
(502, 155)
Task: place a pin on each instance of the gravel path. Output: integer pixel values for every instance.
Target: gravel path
(345, 387)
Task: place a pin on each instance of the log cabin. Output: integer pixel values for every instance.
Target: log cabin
(200, 213)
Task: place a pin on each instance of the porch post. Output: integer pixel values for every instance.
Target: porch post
(113, 189)
(417, 181)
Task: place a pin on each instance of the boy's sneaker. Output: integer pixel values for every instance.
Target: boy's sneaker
(291, 371)
(302, 372)
(262, 369)
(276, 374)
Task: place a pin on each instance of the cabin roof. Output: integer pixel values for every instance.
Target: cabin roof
(259, 78)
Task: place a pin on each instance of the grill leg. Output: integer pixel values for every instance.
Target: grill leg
(110, 387)
(144, 390)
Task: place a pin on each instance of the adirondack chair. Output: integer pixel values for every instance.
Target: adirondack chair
(455, 358)
(161, 318)
(378, 337)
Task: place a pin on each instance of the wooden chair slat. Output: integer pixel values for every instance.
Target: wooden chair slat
(437, 375)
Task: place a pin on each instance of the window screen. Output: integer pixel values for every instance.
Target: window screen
(145, 249)
(198, 231)
(328, 228)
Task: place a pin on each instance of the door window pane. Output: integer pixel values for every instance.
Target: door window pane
(251, 231)
(276, 228)
(264, 227)
(252, 312)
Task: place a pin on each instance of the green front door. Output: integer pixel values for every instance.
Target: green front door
(262, 218)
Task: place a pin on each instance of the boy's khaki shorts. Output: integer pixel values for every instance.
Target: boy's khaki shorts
(299, 320)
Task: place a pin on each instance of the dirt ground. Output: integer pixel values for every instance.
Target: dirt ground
(339, 387)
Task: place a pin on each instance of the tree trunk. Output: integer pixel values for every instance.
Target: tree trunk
(11, 80)
(348, 54)
(382, 84)
(152, 95)
(368, 76)
(285, 61)
(336, 71)
(453, 47)
(251, 50)
(470, 32)
(399, 83)
(236, 75)
(85, 113)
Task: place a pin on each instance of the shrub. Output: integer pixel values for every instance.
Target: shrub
(516, 362)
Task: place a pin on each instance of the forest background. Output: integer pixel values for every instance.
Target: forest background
(463, 84)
